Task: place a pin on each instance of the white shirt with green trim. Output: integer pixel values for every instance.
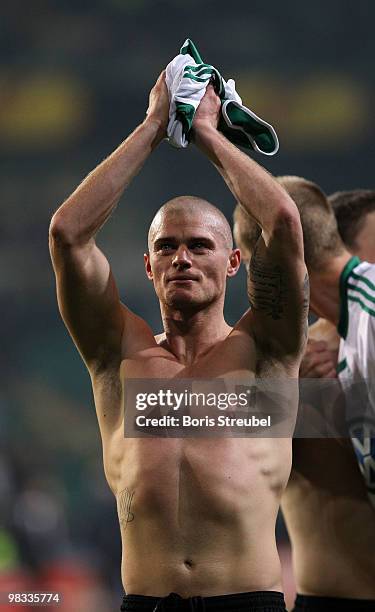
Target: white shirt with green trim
(356, 365)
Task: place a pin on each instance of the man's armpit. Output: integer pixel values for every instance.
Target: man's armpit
(267, 288)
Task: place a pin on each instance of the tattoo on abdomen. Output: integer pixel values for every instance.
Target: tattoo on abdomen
(124, 502)
(266, 287)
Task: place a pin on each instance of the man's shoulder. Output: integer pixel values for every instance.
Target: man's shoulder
(364, 269)
(361, 291)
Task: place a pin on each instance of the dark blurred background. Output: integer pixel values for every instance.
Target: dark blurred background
(74, 81)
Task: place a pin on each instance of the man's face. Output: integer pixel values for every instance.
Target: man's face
(189, 259)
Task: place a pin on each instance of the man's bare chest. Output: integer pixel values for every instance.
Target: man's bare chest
(234, 356)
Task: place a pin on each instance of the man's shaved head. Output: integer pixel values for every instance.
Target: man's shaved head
(189, 207)
(191, 254)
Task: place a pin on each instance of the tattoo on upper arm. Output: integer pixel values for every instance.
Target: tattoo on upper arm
(306, 303)
(266, 286)
(124, 502)
(306, 293)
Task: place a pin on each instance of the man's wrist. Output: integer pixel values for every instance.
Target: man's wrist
(157, 128)
(204, 132)
(203, 127)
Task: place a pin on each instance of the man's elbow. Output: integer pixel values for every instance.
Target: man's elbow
(287, 227)
(61, 232)
(58, 231)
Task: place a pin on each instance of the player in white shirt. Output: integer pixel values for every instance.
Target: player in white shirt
(355, 212)
(356, 366)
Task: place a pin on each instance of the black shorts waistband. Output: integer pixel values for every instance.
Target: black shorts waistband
(254, 601)
(311, 603)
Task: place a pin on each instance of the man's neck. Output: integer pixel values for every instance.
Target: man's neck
(325, 289)
(189, 335)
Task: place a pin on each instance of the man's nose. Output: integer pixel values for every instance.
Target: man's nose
(182, 258)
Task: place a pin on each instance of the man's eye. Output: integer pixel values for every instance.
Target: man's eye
(198, 245)
(166, 246)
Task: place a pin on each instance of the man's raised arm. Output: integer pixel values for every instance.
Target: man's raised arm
(87, 294)
(277, 281)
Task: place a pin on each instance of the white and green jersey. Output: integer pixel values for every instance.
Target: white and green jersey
(356, 366)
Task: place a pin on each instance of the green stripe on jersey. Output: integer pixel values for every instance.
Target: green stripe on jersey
(198, 73)
(342, 327)
(362, 305)
(197, 68)
(364, 280)
(189, 48)
(185, 114)
(371, 298)
(341, 365)
(194, 78)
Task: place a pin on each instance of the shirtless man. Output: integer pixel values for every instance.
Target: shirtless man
(329, 518)
(197, 516)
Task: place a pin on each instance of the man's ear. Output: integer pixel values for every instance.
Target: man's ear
(146, 258)
(234, 262)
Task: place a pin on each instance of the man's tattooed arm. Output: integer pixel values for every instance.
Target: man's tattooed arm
(124, 502)
(266, 286)
(279, 300)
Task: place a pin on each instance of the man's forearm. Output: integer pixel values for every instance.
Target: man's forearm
(81, 216)
(257, 191)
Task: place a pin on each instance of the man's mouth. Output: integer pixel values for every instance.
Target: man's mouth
(182, 278)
